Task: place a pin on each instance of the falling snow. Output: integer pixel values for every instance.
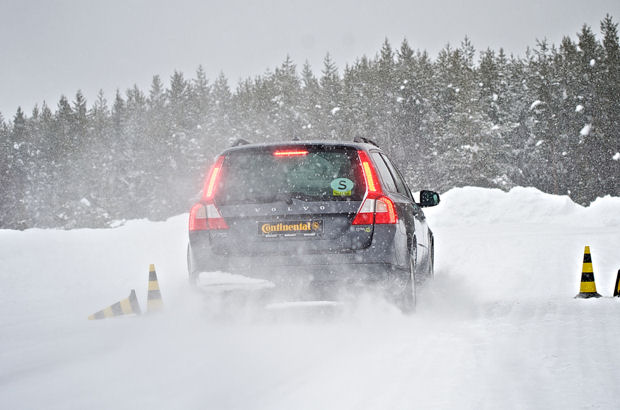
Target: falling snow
(535, 104)
(585, 131)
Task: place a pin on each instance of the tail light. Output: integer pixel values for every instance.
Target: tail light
(385, 211)
(204, 215)
(290, 153)
(376, 208)
(366, 213)
(370, 175)
(212, 180)
(198, 218)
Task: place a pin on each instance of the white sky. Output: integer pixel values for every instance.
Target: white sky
(54, 47)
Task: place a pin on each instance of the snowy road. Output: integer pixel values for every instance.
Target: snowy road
(498, 328)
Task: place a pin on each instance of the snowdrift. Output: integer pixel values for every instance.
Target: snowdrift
(472, 206)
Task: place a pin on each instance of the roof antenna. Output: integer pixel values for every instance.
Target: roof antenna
(365, 140)
(239, 141)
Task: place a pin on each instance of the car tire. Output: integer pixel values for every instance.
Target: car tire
(428, 274)
(408, 297)
(431, 262)
(193, 278)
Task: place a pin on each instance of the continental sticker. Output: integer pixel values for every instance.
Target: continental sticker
(342, 187)
(286, 228)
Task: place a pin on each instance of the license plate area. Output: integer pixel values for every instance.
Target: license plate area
(290, 229)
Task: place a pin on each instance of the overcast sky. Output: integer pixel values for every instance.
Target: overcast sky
(53, 47)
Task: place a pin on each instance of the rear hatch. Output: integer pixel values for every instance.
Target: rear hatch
(290, 200)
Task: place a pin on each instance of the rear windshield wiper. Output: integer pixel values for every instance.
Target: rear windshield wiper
(305, 197)
(286, 197)
(266, 199)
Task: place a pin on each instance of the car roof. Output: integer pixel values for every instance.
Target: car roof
(289, 144)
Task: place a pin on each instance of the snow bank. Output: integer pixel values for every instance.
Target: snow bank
(472, 205)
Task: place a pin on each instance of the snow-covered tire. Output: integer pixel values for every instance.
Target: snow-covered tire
(431, 262)
(428, 273)
(408, 298)
(193, 278)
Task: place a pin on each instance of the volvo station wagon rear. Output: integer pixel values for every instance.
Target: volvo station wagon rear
(319, 213)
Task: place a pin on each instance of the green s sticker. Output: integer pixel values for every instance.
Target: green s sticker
(342, 186)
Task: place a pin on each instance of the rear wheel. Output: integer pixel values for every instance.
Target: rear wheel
(192, 276)
(431, 262)
(408, 297)
(427, 273)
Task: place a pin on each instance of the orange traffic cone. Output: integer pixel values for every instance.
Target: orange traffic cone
(588, 287)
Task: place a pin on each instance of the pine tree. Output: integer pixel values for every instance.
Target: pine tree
(569, 116)
(546, 170)
(222, 109)
(178, 99)
(64, 127)
(136, 150)
(102, 168)
(5, 152)
(17, 173)
(359, 96)
(412, 115)
(284, 114)
(118, 116)
(489, 77)
(331, 101)
(80, 111)
(386, 94)
(200, 98)
(80, 171)
(117, 181)
(591, 140)
(608, 93)
(158, 129)
(309, 104)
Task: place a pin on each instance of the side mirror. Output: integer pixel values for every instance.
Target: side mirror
(428, 198)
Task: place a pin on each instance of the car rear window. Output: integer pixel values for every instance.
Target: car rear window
(260, 176)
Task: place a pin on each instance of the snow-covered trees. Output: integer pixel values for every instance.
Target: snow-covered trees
(550, 120)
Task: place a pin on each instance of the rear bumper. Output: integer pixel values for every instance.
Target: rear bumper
(382, 261)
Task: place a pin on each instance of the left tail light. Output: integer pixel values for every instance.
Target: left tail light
(213, 180)
(204, 215)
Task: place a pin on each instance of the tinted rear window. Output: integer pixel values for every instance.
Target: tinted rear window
(259, 176)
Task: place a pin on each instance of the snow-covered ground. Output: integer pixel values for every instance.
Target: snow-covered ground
(498, 328)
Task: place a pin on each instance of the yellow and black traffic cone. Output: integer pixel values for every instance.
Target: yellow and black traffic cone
(154, 302)
(617, 287)
(126, 306)
(588, 287)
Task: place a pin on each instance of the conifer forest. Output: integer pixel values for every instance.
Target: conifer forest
(549, 119)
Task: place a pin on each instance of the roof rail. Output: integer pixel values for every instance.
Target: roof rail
(239, 141)
(365, 140)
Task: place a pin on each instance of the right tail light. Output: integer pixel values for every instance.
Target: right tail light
(376, 208)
